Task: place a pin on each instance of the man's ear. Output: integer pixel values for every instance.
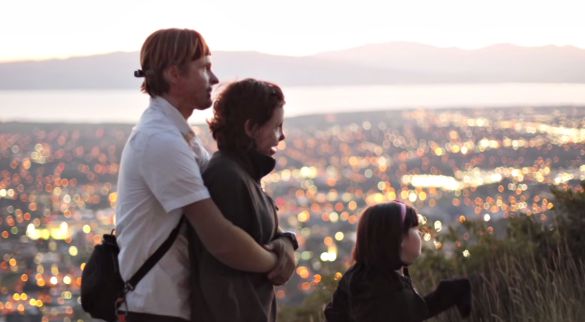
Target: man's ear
(249, 128)
(171, 74)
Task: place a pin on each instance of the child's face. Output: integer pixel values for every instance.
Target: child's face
(411, 246)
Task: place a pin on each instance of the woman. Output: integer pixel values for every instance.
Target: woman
(247, 125)
(378, 287)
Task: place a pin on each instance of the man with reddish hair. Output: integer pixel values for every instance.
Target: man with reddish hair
(160, 181)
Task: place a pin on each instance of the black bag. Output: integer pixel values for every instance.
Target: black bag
(102, 287)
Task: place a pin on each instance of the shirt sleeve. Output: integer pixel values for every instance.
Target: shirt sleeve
(450, 293)
(171, 172)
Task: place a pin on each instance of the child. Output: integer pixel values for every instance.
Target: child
(377, 287)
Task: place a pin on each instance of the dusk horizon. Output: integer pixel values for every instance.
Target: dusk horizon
(317, 53)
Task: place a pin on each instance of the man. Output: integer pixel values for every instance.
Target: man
(160, 180)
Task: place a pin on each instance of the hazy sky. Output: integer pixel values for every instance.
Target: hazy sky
(41, 29)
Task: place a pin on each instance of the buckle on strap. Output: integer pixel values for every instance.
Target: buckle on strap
(128, 288)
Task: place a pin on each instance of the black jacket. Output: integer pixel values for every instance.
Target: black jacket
(370, 296)
(220, 293)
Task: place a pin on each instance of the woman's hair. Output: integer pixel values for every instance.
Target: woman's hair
(379, 235)
(248, 99)
(168, 47)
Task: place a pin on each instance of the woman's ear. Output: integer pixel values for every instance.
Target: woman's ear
(249, 128)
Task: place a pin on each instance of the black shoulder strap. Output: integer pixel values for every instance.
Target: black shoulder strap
(153, 259)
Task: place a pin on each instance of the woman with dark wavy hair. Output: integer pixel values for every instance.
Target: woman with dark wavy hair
(248, 126)
(378, 287)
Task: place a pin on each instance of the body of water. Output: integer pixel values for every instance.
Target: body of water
(126, 106)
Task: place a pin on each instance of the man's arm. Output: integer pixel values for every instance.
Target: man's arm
(225, 241)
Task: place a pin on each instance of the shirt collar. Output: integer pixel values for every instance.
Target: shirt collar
(255, 163)
(172, 114)
(261, 163)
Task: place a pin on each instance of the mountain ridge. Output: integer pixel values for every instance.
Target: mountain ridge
(384, 63)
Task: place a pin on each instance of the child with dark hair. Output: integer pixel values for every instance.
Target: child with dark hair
(378, 287)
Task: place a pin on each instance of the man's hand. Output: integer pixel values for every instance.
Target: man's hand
(285, 265)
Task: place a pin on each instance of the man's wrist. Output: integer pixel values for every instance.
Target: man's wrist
(292, 237)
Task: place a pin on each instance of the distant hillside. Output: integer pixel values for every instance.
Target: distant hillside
(390, 63)
(99, 72)
(499, 63)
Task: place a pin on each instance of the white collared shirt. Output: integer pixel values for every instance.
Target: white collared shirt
(160, 173)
